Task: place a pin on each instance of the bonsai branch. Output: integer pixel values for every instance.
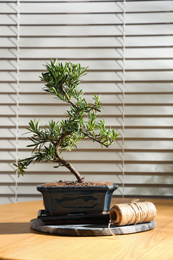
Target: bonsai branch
(94, 139)
(67, 97)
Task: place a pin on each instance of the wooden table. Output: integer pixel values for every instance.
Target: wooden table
(18, 241)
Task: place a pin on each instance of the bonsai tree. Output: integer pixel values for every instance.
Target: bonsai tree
(51, 140)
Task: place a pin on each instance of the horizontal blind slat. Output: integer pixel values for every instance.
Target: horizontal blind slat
(80, 32)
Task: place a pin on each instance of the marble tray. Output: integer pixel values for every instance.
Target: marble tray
(89, 229)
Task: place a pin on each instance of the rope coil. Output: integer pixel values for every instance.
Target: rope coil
(132, 213)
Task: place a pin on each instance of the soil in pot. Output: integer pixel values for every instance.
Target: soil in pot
(75, 184)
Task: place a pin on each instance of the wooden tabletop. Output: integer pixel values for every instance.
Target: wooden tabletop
(18, 241)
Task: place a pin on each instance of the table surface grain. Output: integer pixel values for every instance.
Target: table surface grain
(18, 241)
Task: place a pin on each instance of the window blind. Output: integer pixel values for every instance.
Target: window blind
(128, 48)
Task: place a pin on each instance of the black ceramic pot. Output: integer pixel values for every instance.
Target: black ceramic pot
(68, 200)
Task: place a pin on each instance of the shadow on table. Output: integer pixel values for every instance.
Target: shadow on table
(15, 228)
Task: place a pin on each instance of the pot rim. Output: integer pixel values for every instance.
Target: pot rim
(104, 187)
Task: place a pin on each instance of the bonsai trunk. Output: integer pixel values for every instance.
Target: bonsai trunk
(68, 166)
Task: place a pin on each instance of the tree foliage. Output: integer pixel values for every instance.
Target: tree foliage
(49, 141)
